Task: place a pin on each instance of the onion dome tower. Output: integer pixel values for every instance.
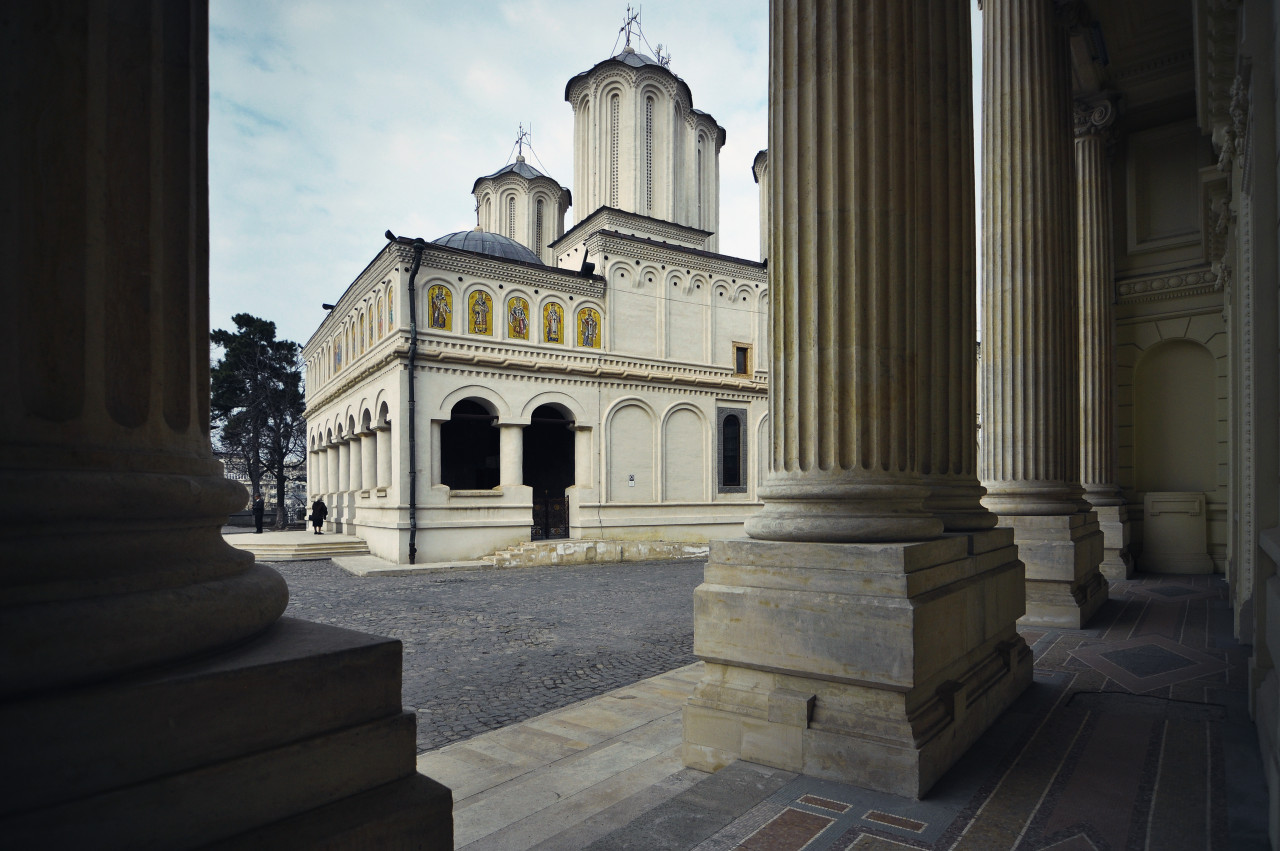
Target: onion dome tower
(521, 203)
(640, 146)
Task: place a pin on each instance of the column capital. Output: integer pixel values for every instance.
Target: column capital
(1095, 115)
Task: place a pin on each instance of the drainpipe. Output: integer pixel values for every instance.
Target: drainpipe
(418, 244)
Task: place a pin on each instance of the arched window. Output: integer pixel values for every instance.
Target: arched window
(614, 110)
(469, 449)
(511, 216)
(648, 155)
(731, 436)
(537, 230)
(698, 180)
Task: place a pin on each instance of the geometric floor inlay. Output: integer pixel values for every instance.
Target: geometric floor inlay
(1148, 662)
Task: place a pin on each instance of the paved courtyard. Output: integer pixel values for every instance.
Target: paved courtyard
(485, 648)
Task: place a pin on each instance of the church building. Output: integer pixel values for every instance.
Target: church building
(608, 381)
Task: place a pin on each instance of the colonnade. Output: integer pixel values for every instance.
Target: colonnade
(866, 632)
(349, 466)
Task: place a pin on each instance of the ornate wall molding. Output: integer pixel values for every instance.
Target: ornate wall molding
(1166, 285)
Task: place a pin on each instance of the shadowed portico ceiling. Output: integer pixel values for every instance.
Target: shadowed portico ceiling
(1149, 47)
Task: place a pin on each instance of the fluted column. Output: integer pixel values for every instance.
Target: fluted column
(1029, 455)
(120, 601)
(871, 392)
(1094, 118)
(850, 639)
(1030, 461)
(1096, 283)
(369, 460)
(112, 500)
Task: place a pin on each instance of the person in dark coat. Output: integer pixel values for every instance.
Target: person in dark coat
(319, 511)
(259, 508)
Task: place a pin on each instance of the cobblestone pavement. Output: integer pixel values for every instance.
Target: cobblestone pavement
(486, 648)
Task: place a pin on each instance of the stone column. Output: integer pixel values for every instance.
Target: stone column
(583, 468)
(357, 474)
(851, 639)
(1096, 268)
(511, 455)
(1030, 402)
(384, 456)
(331, 477)
(368, 460)
(322, 473)
(120, 601)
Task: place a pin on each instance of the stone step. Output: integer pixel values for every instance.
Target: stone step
(299, 546)
(592, 551)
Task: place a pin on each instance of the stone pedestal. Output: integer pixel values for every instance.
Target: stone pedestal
(306, 716)
(1117, 561)
(871, 664)
(1061, 553)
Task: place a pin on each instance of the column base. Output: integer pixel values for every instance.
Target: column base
(1062, 554)
(1117, 561)
(871, 664)
(293, 740)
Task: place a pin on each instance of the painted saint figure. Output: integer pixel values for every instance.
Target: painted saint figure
(588, 326)
(440, 308)
(479, 313)
(518, 319)
(553, 320)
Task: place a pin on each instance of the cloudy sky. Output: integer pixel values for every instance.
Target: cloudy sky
(331, 122)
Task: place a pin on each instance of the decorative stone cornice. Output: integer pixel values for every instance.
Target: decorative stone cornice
(1166, 285)
(478, 266)
(720, 265)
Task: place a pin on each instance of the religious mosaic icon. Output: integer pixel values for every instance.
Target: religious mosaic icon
(439, 307)
(380, 325)
(337, 356)
(480, 309)
(589, 328)
(553, 323)
(391, 308)
(517, 318)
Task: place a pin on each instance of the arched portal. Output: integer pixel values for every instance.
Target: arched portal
(548, 470)
(469, 448)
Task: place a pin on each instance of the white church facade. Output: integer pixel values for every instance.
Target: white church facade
(604, 382)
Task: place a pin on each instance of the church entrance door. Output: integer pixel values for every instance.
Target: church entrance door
(548, 470)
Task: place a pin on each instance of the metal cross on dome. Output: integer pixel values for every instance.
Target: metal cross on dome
(632, 20)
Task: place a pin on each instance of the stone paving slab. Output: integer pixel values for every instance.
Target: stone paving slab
(528, 783)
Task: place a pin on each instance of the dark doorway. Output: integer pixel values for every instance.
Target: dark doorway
(469, 448)
(548, 470)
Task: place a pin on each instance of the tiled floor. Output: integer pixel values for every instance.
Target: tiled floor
(1134, 735)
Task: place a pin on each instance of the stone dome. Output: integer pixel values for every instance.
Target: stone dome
(493, 244)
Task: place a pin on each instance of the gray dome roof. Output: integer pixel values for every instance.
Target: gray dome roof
(493, 244)
(635, 59)
(519, 167)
